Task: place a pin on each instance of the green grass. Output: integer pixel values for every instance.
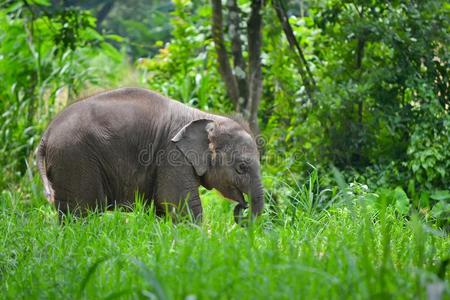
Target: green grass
(353, 249)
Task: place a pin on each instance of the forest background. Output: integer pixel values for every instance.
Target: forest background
(349, 99)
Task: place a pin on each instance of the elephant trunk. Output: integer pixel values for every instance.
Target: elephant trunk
(257, 198)
(256, 205)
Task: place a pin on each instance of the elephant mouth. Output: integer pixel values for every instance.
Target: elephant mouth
(234, 193)
(240, 198)
(239, 208)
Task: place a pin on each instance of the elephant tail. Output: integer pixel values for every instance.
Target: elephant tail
(41, 164)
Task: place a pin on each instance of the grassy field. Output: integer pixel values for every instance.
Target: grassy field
(355, 248)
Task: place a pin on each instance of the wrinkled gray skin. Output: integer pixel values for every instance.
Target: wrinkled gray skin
(100, 151)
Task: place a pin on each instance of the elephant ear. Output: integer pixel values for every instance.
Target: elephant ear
(193, 141)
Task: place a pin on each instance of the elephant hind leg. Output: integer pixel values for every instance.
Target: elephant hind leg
(79, 204)
(77, 192)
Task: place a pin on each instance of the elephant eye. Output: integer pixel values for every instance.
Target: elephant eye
(242, 168)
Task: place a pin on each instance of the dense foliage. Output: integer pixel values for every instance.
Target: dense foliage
(380, 108)
(45, 60)
(356, 159)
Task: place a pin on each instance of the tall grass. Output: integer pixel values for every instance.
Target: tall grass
(355, 251)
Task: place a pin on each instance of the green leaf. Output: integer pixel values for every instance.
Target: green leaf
(111, 52)
(114, 37)
(424, 200)
(402, 202)
(441, 195)
(92, 34)
(41, 2)
(441, 211)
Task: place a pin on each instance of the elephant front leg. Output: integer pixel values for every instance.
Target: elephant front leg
(178, 206)
(190, 205)
(178, 196)
(195, 207)
(177, 187)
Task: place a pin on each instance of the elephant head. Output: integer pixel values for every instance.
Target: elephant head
(225, 157)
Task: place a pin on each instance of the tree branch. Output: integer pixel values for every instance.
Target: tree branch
(103, 13)
(222, 56)
(305, 72)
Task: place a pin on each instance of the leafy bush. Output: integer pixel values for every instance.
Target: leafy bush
(379, 111)
(185, 68)
(429, 158)
(42, 56)
(380, 107)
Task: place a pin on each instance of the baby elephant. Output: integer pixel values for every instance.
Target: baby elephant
(99, 152)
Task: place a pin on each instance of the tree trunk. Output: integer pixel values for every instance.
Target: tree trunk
(358, 64)
(222, 56)
(236, 50)
(103, 13)
(244, 88)
(254, 26)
